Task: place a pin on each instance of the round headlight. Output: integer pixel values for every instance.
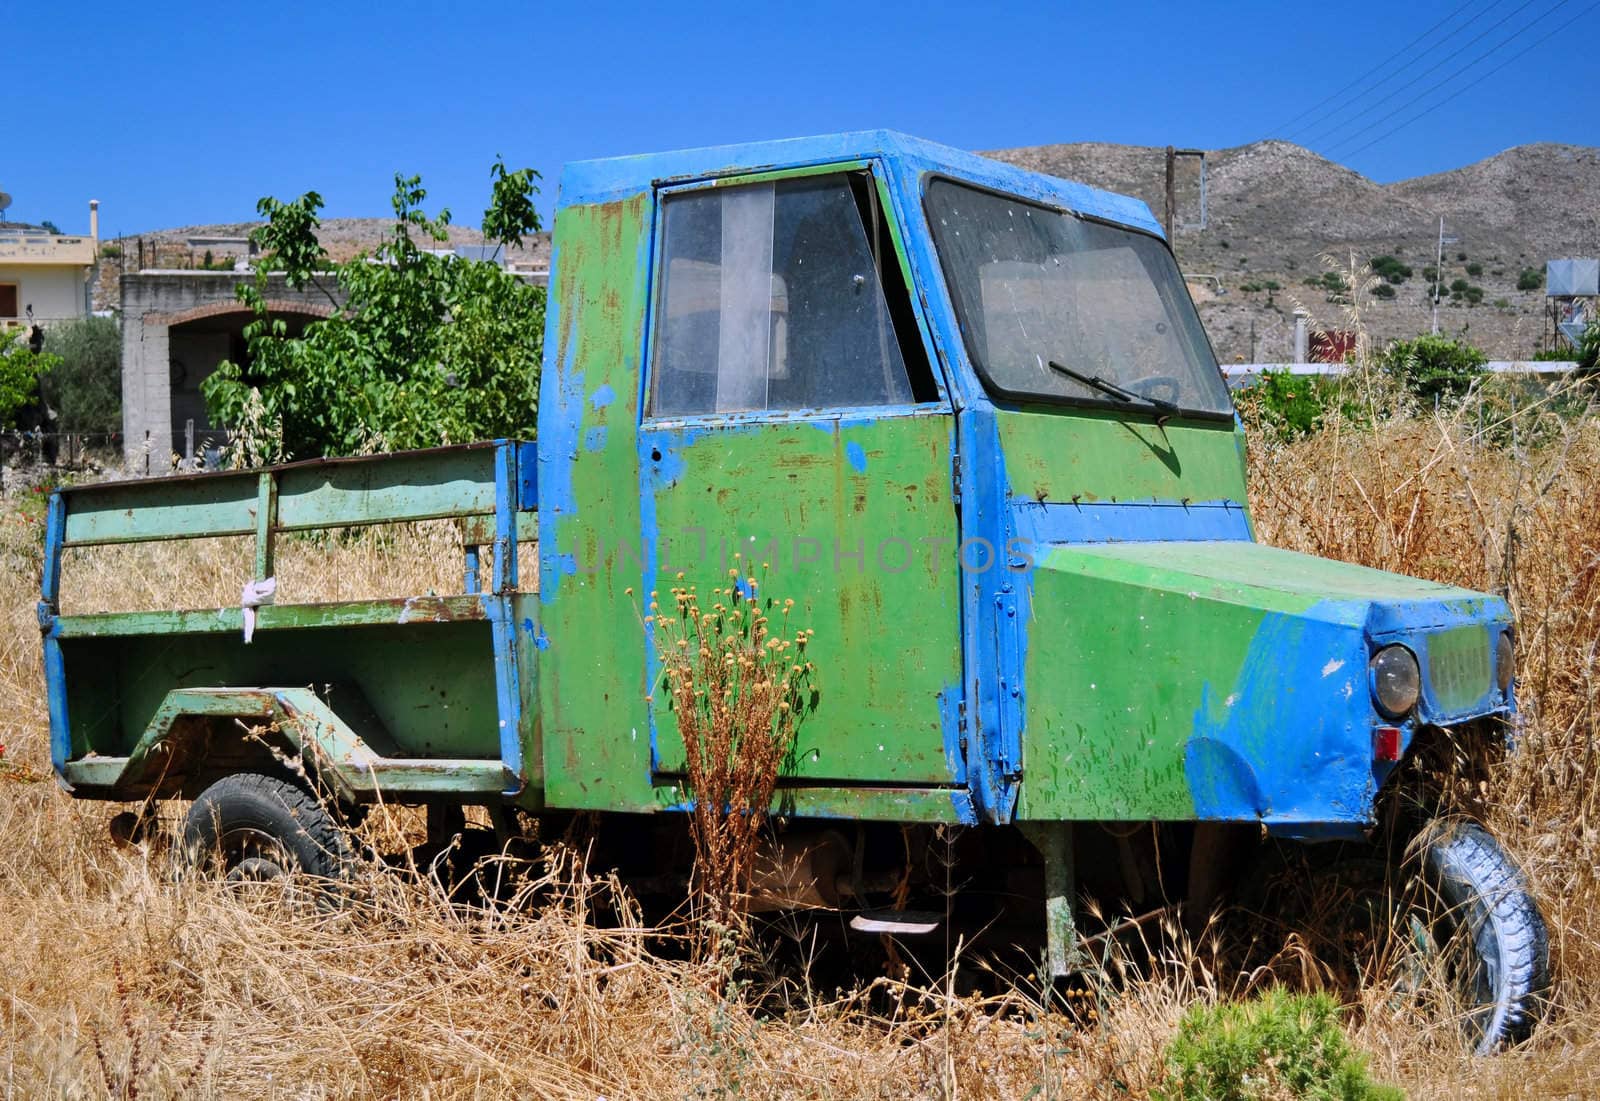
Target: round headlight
(1505, 661)
(1396, 680)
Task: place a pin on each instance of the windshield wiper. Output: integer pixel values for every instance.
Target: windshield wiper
(1106, 386)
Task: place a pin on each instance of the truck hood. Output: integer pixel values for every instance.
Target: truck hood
(1228, 680)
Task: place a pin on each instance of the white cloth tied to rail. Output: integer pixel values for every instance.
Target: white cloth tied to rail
(255, 595)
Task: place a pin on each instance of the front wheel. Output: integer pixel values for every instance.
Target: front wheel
(1502, 944)
(249, 827)
(1449, 927)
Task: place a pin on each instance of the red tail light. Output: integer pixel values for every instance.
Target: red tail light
(1386, 743)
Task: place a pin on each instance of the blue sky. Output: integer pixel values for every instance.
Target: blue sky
(186, 113)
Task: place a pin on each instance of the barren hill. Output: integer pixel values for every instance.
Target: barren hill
(1275, 210)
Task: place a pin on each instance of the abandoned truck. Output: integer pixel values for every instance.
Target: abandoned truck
(968, 417)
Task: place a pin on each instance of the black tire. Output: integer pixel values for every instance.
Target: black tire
(250, 827)
(1448, 924)
(1486, 899)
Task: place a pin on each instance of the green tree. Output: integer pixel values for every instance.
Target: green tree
(1530, 279)
(20, 368)
(427, 350)
(85, 387)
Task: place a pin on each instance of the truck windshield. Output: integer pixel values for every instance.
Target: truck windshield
(1035, 286)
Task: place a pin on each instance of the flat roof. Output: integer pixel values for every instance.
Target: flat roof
(614, 178)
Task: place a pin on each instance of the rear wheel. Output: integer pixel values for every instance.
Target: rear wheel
(252, 828)
(1449, 928)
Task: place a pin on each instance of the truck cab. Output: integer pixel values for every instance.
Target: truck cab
(968, 416)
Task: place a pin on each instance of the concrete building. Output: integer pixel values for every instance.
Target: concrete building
(176, 327)
(45, 276)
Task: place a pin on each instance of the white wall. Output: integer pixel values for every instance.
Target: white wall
(54, 293)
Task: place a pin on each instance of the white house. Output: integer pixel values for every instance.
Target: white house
(47, 272)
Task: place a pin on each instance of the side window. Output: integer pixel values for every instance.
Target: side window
(772, 296)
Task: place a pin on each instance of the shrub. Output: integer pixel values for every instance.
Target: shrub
(1430, 273)
(110, 250)
(20, 368)
(1475, 269)
(1473, 295)
(1277, 1046)
(1434, 368)
(1531, 279)
(1288, 406)
(1589, 348)
(1383, 290)
(1461, 256)
(1459, 286)
(85, 388)
(1390, 268)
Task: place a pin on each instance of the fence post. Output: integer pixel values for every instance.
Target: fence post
(188, 444)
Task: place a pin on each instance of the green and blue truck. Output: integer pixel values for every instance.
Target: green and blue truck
(967, 416)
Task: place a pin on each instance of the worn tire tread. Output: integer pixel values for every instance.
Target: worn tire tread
(1467, 854)
(270, 799)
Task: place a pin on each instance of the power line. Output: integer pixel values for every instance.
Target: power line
(1525, 50)
(1452, 78)
(1452, 55)
(1284, 129)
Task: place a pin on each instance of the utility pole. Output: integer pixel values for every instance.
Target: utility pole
(1172, 189)
(1170, 221)
(1438, 274)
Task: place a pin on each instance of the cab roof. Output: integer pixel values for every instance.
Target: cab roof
(613, 178)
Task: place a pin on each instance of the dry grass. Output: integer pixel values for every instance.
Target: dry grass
(110, 966)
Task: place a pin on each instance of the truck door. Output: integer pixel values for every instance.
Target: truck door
(792, 415)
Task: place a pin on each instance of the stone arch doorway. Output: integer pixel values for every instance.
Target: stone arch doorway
(200, 339)
(177, 326)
